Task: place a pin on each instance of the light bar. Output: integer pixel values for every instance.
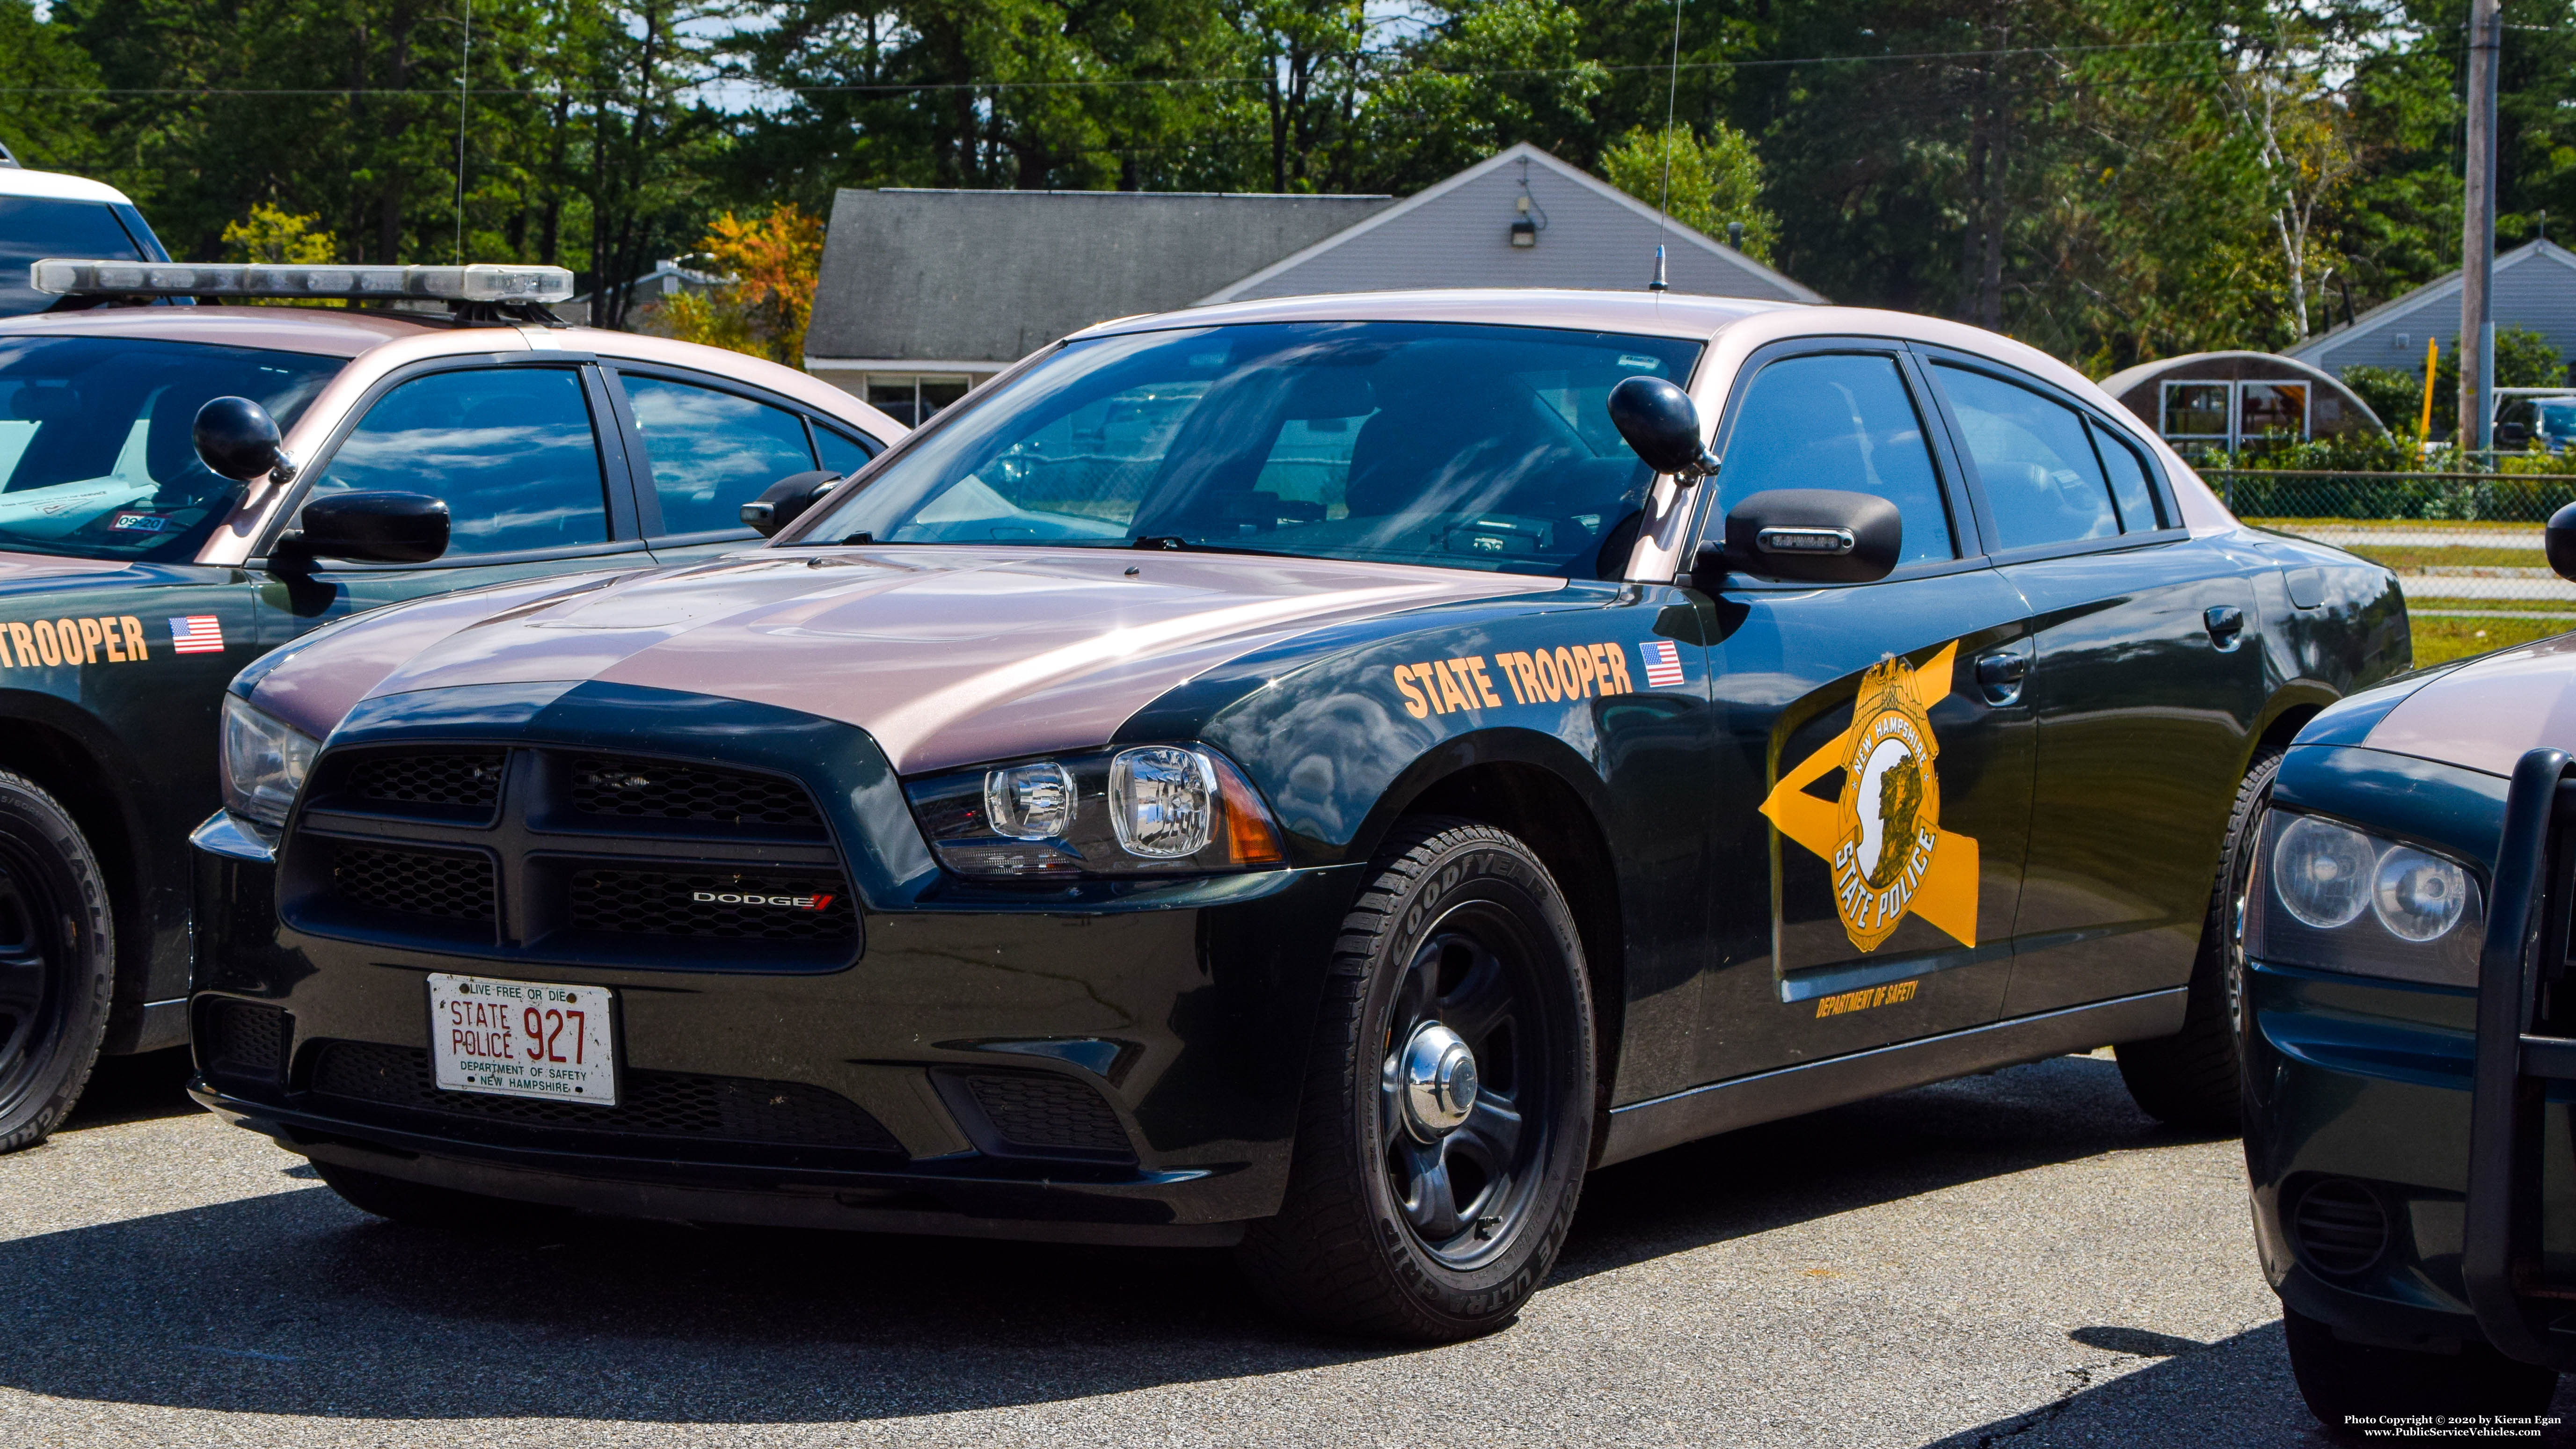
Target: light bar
(482, 282)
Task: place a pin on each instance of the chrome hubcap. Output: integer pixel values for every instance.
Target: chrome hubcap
(1436, 1075)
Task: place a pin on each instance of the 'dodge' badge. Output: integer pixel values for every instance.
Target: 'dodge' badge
(1883, 836)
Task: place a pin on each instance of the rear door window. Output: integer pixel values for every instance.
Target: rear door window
(710, 451)
(2129, 487)
(2041, 478)
(512, 451)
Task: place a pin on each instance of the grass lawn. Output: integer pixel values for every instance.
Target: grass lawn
(2438, 639)
(2407, 558)
(2411, 525)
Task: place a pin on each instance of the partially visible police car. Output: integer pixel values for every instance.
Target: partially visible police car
(183, 488)
(1318, 774)
(2410, 1040)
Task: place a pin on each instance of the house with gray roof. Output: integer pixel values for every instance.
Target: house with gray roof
(2535, 287)
(925, 293)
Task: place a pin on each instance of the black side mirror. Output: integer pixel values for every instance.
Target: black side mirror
(786, 500)
(237, 439)
(2559, 541)
(1807, 536)
(371, 528)
(1660, 423)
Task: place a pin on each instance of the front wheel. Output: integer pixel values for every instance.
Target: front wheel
(57, 962)
(1448, 1110)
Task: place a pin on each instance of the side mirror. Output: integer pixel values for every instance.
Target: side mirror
(1808, 536)
(371, 528)
(237, 439)
(1660, 423)
(786, 500)
(2559, 540)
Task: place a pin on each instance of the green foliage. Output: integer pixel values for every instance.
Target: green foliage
(1713, 181)
(52, 88)
(2394, 393)
(270, 235)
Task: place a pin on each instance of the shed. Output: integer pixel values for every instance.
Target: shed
(2535, 287)
(2212, 401)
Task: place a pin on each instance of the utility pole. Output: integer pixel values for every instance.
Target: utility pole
(2477, 232)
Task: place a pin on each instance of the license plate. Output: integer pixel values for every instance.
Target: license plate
(523, 1039)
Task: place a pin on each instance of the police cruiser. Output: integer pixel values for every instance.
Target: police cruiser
(185, 487)
(1315, 775)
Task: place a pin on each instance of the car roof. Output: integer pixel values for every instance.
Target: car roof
(18, 181)
(1655, 314)
(330, 332)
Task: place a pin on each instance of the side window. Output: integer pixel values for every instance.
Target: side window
(840, 453)
(510, 449)
(1839, 420)
(2040, 475)
(2128, 481)
(712, 452)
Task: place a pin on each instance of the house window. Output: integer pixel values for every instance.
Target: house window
(2234, 416)
(913, 398)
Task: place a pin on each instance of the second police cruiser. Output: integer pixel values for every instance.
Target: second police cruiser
(186, 487)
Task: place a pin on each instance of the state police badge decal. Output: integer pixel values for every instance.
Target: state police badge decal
(1882, 836)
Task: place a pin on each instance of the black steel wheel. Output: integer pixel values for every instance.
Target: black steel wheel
(2194, 1079)
(57, 962)
(1448, 1115)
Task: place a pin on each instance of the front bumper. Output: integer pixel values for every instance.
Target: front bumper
(1169, 1027)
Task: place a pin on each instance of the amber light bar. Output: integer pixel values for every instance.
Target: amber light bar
(482, 282)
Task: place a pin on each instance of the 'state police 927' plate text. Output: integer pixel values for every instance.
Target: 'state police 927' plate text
(522, 1039)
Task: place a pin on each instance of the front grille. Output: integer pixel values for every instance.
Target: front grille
(676, 1105)
(1044, 1112)
(455, 887)
(466, 782)
(737, 907)
(2341, 1226)
(634, 789)
(246, 1040)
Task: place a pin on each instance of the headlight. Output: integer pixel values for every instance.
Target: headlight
(264, 763)
(1154, 809)
(2328, 896)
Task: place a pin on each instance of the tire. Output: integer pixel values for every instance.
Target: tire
(2194, 1079)
(1392, 1226)
(2346, 1381)
(57, 962)
(446, 1209)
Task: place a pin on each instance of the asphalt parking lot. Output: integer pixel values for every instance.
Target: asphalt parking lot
(2017, 1259)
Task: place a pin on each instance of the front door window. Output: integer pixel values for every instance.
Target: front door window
(511, 450)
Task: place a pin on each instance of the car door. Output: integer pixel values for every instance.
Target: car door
(1871, 896)
(2143, 690)
(527, 458)
(704, 448)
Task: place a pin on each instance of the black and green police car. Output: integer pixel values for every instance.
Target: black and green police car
(136, 580)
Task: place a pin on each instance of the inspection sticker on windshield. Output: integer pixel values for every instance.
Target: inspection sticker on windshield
(523, 1039)
(139, 523)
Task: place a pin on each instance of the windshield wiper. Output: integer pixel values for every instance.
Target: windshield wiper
(1175, 543)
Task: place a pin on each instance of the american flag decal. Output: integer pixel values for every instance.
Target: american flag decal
(197, 634)
(1663, 664)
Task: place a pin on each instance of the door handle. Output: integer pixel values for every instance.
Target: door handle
(2001, 673)
(2226, 624)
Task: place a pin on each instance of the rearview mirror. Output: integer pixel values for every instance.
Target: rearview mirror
(371, 528)
(786, 500)
(1807, 536)
(1660, 423)
(2559, 540)
(237, 439)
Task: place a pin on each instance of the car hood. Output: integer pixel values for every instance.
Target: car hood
(945, 656)
(2484, 714)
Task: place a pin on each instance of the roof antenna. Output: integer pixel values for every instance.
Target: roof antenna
(1664, 198)
(464, 64)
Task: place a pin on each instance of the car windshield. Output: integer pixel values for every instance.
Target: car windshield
(34, 227)
(97, 458)
(1452, 444)
(2556, 417)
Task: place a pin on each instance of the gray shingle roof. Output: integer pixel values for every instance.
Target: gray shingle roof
(987, 276)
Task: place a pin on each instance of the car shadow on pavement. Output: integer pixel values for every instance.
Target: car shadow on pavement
(134, 1089)
(294, 1303)
(2236, 1393)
